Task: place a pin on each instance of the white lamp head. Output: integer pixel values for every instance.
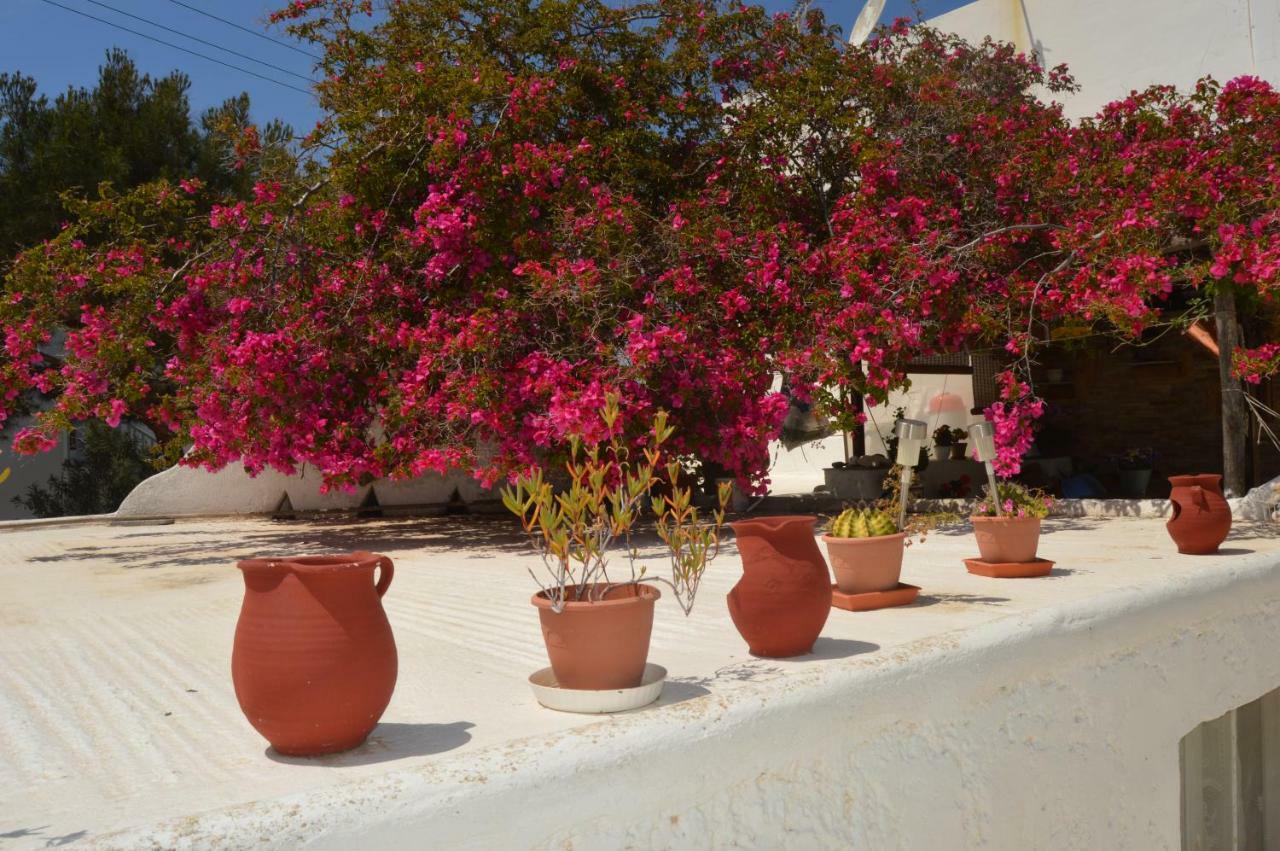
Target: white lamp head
(982, 435)
(911, 436)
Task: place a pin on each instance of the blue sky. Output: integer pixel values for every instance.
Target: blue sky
(60, 48)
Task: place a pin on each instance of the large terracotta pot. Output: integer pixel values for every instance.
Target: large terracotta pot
(1201, 516)
(782, 600)
(314, 661)
(599, 644)
(863, 565)
(1006, 540)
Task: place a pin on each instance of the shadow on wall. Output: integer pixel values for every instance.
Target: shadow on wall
(389, 742)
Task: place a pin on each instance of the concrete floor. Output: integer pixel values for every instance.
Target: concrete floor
(116, 704)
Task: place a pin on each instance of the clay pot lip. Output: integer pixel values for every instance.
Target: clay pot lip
(647, 594)
(772, 523)
(1187, 479)
(874, 539)
(310, 564)
(982, 518)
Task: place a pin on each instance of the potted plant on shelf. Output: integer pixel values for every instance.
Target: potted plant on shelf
(865, 546)
(959, 444)
(596, 625)
(1135, 471)
(942, 440)
(1011, 536)
(857, 480)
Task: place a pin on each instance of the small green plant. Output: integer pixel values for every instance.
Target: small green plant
(574, 529)
(863, 523)
(1016, 501)
(959, 436)
(943, 436)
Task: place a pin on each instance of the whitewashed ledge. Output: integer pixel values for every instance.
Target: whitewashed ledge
(1039, 713)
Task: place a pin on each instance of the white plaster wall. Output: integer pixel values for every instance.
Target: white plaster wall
(187, 491)
(1116, 47)
(1057, 729)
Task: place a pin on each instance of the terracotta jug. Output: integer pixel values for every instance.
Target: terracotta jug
(314, 662)
(782, 600)
(1201, 517)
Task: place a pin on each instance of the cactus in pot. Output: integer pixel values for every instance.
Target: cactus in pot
(865, 547)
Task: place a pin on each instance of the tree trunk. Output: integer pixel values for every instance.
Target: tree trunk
(1235, 411)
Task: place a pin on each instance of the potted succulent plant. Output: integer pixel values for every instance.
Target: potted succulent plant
(865, 547)
(597, 625)
(1013, 535)
(1135, 471)
(942, 440)
(858, 480)
(959, 444)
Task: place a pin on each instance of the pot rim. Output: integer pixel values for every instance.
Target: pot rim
(648, 594)
(874, 539)
(312, 564)
(982, 518)
(1190, 478)
(774, 522)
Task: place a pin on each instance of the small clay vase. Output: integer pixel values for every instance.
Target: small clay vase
(1201, 516)
(864, 565)
(1006, 540)
(314, 661)
(782, 600)
(600, 641)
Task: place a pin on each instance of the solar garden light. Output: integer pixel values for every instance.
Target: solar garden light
(982, 435)
(911, 435)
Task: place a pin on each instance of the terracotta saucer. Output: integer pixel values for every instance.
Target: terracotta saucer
(1011, 569)
(899, 596)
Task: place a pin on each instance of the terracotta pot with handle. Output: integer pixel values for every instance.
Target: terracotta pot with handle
(783, 599)
(1201, 516)
(314, 661)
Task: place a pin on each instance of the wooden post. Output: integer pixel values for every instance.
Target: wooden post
(1235, 411)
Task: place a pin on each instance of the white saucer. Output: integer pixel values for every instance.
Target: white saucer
(592, 702)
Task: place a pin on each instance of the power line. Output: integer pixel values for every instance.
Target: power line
(198, 39)
(176, 47)
(263, 36)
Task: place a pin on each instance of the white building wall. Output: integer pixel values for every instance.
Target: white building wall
(1114, 48)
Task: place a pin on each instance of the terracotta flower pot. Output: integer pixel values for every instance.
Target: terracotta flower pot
(1007, 539)
(1201, 516)
(314, 661)
(959, 451)
(783, 599)
(863, 565)
(599, 644)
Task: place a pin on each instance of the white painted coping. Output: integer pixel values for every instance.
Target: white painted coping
(1038, 713)
(193, 492)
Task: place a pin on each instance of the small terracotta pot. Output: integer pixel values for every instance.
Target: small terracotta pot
(1201, 516)
(314, 661)
(959, 451)
(783, 599)
(863, 565)
(599, 644)
(1007, 539)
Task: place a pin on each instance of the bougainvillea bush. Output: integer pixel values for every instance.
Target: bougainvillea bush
(514, 210)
